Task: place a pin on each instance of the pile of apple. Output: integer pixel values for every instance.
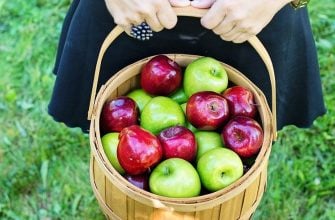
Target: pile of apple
(184, 132)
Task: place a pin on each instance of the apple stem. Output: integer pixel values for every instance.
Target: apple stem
(166, 171)
(214, 72)
(222, 174)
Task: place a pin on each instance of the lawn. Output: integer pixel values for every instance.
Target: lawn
(44, 165)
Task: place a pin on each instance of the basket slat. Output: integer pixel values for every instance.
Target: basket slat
(263, 183)
(231, 209)
(116, 200)
(213, 213)
(250, 195)
(130, 208)
(142, 211)
(99, 178)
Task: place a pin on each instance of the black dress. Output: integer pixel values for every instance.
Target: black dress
(288, 39)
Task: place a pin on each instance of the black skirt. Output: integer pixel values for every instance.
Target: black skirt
(288, 39)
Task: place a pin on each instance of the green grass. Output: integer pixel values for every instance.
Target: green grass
(44, 165)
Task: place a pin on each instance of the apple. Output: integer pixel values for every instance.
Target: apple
(161, 112)
(205, 74)
(207, 140)
(110, 142)
(207, 110)
(219, 168)
(243, 135)
(141, 180)
(118, 113)
(161, 76)
(179, 96)
(138, 150)
(240, 101)
(178, 141)
(175, 178)
(141, 97)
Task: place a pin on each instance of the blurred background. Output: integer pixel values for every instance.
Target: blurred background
(44, 165)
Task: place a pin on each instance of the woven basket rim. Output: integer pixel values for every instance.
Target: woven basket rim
(135, 192)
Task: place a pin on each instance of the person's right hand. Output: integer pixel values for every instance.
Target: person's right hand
(157, 13)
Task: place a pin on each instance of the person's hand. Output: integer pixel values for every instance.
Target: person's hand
(194, 3)
(238, 20)
(157, 14)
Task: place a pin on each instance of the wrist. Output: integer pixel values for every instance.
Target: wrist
(299, 3)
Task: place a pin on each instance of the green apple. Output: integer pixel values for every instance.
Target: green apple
(188, 124)
(110, 142)
(141, 97)
(161, 112)
(175, 178)
(205, 74)
(207, 140)
(219, 168)
(179, 96)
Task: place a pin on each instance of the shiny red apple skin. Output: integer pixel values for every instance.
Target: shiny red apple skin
(240, 101)
(138, 150)
(243, 135)
(161, 76)
(141, 180)
(178, 141)
(118, 113)
(207, 110)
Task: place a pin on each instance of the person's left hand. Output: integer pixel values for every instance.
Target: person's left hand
(238, 20)
(194, 3)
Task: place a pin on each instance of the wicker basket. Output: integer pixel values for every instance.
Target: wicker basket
(119, 199)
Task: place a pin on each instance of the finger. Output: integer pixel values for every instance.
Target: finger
(179, 3)
(242, 38)
(154, 23)
(231, 35)
(127, 29)
(224, 27)
(202, 3)
(213, 17)
(235, 31)
(167, 16)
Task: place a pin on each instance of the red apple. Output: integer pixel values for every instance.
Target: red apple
(141, 180)
(178, 141)
(243, 135)
(240, 101)
(161, 76)
(138, 150)
(118, 113)
(207, 110)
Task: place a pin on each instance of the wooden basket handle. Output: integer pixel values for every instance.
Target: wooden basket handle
(190, 12)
